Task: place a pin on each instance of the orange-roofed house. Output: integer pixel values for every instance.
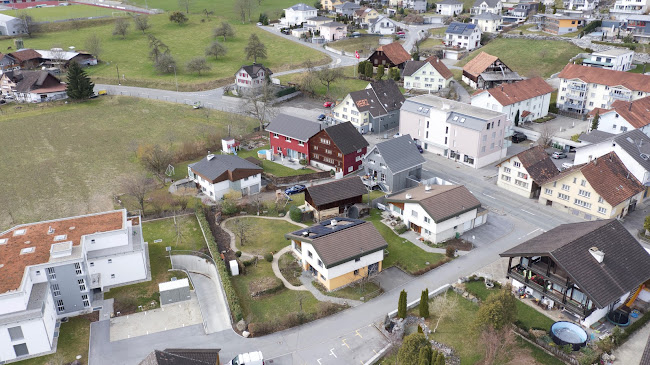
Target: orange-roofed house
(521, 101)
(584, 88)
(54, 269)
(486, 71)
(390, 55)
(624, 116)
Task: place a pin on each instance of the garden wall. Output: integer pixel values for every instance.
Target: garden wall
(285, 180)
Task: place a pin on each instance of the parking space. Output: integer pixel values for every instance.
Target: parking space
(355, 347)
(496, 226)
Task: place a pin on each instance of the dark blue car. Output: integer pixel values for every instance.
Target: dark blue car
(296, 189)
(321, 117)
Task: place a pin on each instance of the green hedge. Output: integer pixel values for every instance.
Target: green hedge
(233, 300)
(634, 327)
(591, 26)
(286, 91)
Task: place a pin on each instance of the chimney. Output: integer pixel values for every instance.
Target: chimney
(333, 223)
(408, 196)
(630, 107)
(427, 187)
(597, 254)
(305, 233)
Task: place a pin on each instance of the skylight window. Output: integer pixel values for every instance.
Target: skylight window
(20, 232)
(3, 241)
(60, 237)
(27, 250)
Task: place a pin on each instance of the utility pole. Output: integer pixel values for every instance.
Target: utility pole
(117, 69)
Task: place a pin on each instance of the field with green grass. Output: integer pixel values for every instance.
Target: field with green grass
(68, 159)
(528, 57)
(225, 8)
(263, 235)
(338, 89)
(364, 45)
(128, 298)
(72, 11)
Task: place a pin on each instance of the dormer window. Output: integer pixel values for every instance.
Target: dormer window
(20, 232)
(60, 237)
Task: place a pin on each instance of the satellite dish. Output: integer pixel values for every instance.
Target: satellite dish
(645, 157)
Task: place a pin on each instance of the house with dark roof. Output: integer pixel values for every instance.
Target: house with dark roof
(339, 252)
(334, 198)
(486, 71)
(464, 36)
(633, 148)
(289, 136)
(526, 172)
(373, 109)
(32, 86)
(600, 189)
(251, 77)
(25, 58)
(487, 6)
(182, 357)
(521, 101)
(390, 55)
(488, 22)
(347, 8)
(624, 116)
(449, 7)
(338, 148)
(218, 175)
(437, 212)
(393, 165)
(383, 25)
(586, 269)
(429, 75)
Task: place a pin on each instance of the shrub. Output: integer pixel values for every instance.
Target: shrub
(450, 251)
(410, 350)
(424, 304)
(286, 91)
(295, 214)
(400, 228)
(248, 262)
(498, 310)
(401, 305)
(326, 308)
(238, 253)
(303, 162)
(228, 207)
(268, 257)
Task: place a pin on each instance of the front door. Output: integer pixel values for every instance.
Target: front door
(416, 228)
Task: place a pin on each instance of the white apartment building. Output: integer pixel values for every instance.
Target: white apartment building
(429, 75)
(449, 7)
(584, 88)
(463, 35)
(216, 175)
(529, 98)
(467, 134)
(487, 6)
(382, 25)
(488, 22)
(52, 269)
(623, 9)
(617, 59)
(624, 116)
(298, 14)
(438, 212)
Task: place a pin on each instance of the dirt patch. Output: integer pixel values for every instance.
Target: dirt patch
(265, 285)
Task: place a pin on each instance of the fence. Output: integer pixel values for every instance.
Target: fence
(284, 180)
(555, 351)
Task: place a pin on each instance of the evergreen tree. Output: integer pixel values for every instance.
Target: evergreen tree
(424, 304)
(425, 356)
(517, 119)
(79, 85)
(594, 123)
(401, 305)
(380, 72)
(361, 68)
(369, 69)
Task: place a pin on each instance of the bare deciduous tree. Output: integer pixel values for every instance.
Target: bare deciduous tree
(259, 104)
(244, 8)
(546, 136)
(443, 307)
(216, 49)
(166, 63)
(224, 30)
(498, 344)
(198, 64)
(94, 45)
(185, 4)
(138, 186)
(121, 27)
(29, 26)
(156, 159)
(328, 74)
(141, 22)
(243, 228)
(307, 80)
(58, 56)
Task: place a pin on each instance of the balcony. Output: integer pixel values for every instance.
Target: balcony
(578, 105)
(623, 95)
(578, 87)
(577, 95)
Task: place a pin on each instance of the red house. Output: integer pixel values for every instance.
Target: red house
(290, 136)
(339, 147)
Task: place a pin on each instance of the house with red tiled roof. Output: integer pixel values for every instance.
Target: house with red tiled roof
(390, 55)
(624, 116)
(53, 269)
(521, 101)
(25, 58)
(526, 172)
(428, 75)
(32, 86)
(584, 88)
(486, 71)
(600, 189)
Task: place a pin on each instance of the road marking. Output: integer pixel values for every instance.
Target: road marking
(489, 196)
(373, 350)
(345, 344)
(333, 354)
(319, 361)
(524, 210)
(357, 333)
(454, 182)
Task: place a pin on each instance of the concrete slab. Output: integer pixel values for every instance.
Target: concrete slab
(392, 278)
(169, 317)
(632, 350)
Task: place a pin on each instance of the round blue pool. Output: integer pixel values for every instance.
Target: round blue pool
(567, 333)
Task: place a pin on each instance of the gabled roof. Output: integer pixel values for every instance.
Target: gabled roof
(395, 53)
(319, 18)
(449, 2)
(346, 240)
(636, 144)
(413, 66)
(487, 16)
(626, 264)
(294, 127)
(218, 168)
(479, 63)
(490, 3)
(346, 137)
(510, 93)
(595, 136)
(347, 5)
(182, 357)
(602, 76)
(302, 7)
(25, 55)
(441, 202)
(538, 164)
(337, 190)
(27, 81)
(399, 153)
(379, 98)
(333, 25)
(636, 112)
(253, 69)
(460, 28)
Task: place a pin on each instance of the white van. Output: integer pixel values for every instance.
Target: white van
(566, 165)
(250, 358)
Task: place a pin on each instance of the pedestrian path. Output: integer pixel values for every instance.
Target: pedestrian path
(276, 270)
(307, 279)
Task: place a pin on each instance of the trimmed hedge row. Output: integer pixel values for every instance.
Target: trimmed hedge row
(634, 327)
(231, 294)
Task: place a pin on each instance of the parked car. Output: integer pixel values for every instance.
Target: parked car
(558, 155)
(518, 137)
(250, 358)
(321, 117)
(566, 165)
(327, 104)
(296, 189)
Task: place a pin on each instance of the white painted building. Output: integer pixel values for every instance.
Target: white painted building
(624, 116)
(463, 35)
(488, 22)
(526, 172)
(216, 175)
(10, 25)
(438, 212)
(251, 77)
(487, 6)
(298, 14)
(419, 6)
(382, 25)
(617, 59)
(449, 7)
(529, 98)
(623, 9)
(429, 75)
(51, 270)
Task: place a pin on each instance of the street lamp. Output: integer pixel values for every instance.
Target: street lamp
(175, 77)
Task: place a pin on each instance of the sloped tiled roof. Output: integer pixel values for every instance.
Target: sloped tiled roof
(337, 190)
(346, 137)
(460, 28)
(538, 164)
(636, 112)
(412, 66)
(395, 53)
(636, 144)
(441, 202)
(490, 3)
(449, 2)
(601, 76)
(479, 63)
(302, 7)
(625, 266)
(379, 98)
(595, 136)
(294, 127)
(253, 69)
(221, 167)
(25, 55)
(399, 153)
(507, 94)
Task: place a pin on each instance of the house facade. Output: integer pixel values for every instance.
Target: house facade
(393, 165)
(488, 22)
(487, 6)
(624, 116)
(486, 71)
(584, 88)
(217, 175)
(587, 269)
(624, 9)
(390, 55)
(638, 26)
(333, 31)
(329, 5)
(418, 6)
(601, 189)
(383, 25)
(612, 59)
(289, 136)
(32, 86)
(298, 14)
(53, 269)
(429, 75)
(526, 172)
(521, 101)
(340, 251)
(10, 25)
(365, 16)
(463, 35)
(438, 212)
(562, 24)
(338, 148)
(252, 77)
(449, 7)
(347, 8)
(467, 134)
(334, 198)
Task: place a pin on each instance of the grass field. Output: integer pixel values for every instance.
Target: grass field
(67, 159)
(185, 42)
(528, 57)
(225, 8)
(338, 90)
(73, 11)
(264, 235)
(128, 298)
(364, 45)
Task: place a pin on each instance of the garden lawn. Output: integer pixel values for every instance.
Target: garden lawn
(290, 268)
(131, 55)
(528, 57)
(365, 45)
(128, 298)
(338, 89)
(374, 194)
(264, 235)
(73, 340)
(78, 152)
(430, 43)
(269, 307)
(225, 8)
(401, 252)
(640, 68)
(72, 11)
(438, 31)
(355, 291)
